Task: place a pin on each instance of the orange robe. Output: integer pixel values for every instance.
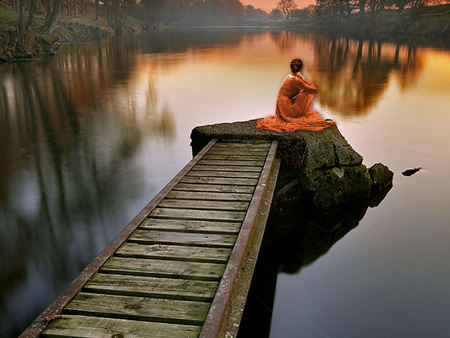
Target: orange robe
(294, 108)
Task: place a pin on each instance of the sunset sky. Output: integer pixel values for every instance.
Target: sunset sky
(268, 5)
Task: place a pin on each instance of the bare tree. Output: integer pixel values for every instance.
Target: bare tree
(286, 7)
(52, 15)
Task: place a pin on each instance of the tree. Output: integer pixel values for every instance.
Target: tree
(275, 14)
(286, 7)
(250, 12)
(53, 7)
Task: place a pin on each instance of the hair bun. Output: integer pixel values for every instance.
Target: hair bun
(296, 65)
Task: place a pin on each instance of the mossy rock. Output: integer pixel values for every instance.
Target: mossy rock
(324, 163)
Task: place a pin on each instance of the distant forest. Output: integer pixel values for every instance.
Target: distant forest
(153, 13)
(22, 20)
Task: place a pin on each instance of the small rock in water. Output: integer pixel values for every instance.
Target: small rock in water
(381, 176)
(410, 172)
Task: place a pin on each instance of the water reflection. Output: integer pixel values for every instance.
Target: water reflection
(70, 129)
(284, 40)
(297, 234)
(353, 75)
(79, 132)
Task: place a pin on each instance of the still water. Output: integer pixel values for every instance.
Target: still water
(88, 137)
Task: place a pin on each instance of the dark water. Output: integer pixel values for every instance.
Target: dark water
(87, 138)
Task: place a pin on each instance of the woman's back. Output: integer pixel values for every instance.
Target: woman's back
(293, 110)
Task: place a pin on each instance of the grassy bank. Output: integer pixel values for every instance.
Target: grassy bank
(38, 43)
(428, 23)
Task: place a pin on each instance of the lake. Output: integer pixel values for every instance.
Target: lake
(89, 136)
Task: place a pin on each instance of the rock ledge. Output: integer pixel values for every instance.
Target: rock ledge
(322, 162)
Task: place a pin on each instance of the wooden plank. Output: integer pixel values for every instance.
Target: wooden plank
(208, 196)
(224, 151)
(227, 168)
(204, 205)
(198, 214)
(181, 238)
(222, 145)
(138, 308)
(236, 157)
(154, 287)
(236, 163)
(214, 188)
(220, 180)
(174, 252)
(191, 226)
(97, 327)
(217, 173)
(241, 141)
(163, 268)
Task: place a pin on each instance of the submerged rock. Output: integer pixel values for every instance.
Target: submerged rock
(319, 163)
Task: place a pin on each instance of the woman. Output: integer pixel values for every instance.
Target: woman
(294, 105)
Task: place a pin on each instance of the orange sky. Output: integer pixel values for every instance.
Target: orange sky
(268, 5)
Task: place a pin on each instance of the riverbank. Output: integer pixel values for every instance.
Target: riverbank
(37, 43)
(425, 25)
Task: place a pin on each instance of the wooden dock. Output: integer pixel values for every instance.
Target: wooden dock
(183, 266)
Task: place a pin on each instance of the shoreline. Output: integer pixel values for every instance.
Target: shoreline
(431, 28)
(38, 44)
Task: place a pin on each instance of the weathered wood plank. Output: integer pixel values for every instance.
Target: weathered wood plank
(204, 205)
(164, 268)
(225, 145)
(233, 152)
(183, 225)
(138, 308)
(97, 327)
(218, 152)
(181, 238)
(214, 188)
(236, 157)
(154, 287)
(212, 215)
(229, 163)
(227, 168)
(208, 196)
(219, 180)
(216, 173)
(174, 252)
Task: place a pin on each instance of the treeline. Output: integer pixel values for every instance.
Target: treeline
(414, 20)
(41, 16)
(195, 12)
(288, 9)
(347, 7)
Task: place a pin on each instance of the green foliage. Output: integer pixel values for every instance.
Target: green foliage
(8, 19)
(45, 38)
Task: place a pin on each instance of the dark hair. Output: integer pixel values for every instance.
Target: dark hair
(296, 65)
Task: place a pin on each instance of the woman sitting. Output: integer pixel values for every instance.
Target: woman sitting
(294, 105)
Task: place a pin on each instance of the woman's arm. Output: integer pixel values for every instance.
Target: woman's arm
(305, 84)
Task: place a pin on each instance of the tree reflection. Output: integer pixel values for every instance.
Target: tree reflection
(353, 75)
(67, 146)
(283, 39)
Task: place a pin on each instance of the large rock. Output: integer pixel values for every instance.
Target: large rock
(321, 162)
